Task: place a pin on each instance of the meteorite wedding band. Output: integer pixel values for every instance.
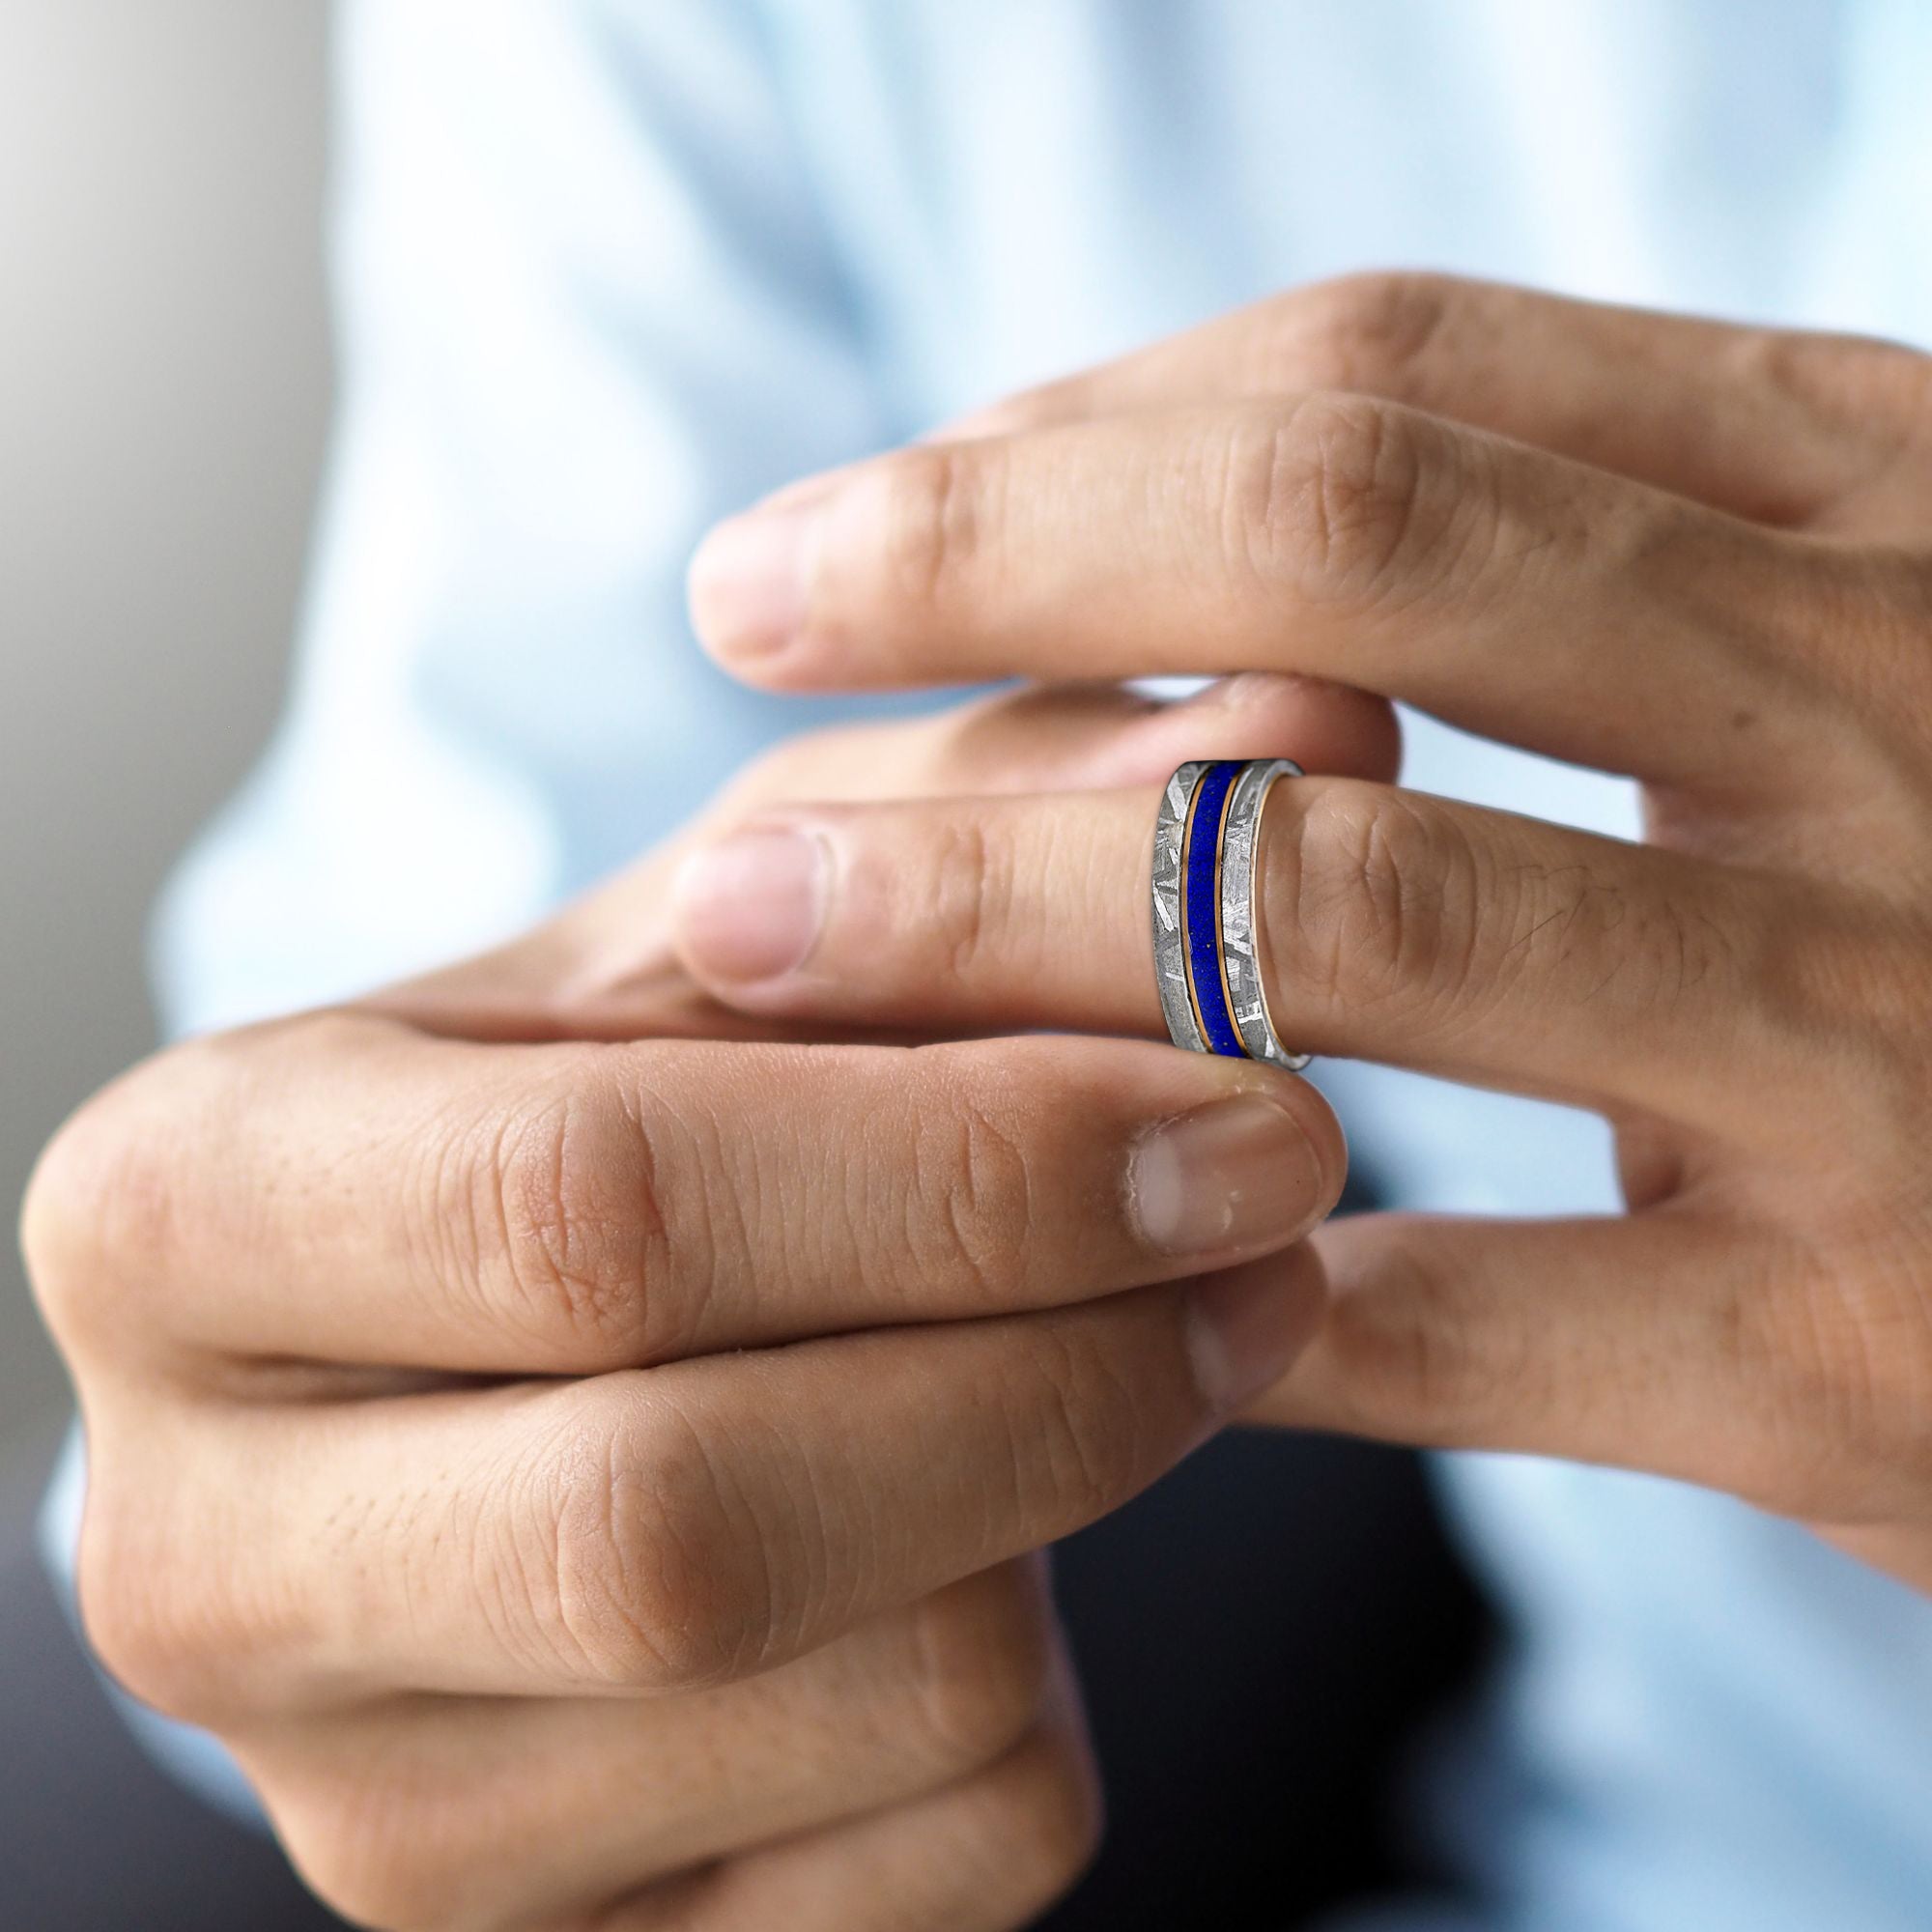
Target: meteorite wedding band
(1205, 936)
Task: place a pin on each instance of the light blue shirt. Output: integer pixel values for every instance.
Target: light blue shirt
(608, 271)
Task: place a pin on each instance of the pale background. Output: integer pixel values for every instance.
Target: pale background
(164, 394)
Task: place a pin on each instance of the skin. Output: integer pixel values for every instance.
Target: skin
(651, 1370)
(583, 1451)
(1692, 553)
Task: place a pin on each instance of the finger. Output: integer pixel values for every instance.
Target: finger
(657, 1530)
(1393, 925)
(1685, 1341)
(1782, 426)
(497, 1810)
(1080, 737)
(987, 1855)
(1518, 594)
(603, 969)
(417, 1203)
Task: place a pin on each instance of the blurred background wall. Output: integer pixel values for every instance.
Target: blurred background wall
(163, 389)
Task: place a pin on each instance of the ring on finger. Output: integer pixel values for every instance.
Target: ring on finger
(1206, 935)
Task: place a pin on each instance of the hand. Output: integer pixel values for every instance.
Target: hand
(1699, 555)
(586, 1476)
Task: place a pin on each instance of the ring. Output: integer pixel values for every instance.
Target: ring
(1206, 937)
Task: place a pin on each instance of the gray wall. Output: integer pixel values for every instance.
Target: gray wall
(164, 387)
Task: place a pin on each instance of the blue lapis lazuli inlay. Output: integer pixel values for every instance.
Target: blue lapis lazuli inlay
(1200, 871)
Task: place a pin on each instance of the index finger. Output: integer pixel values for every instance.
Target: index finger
(346, 1191)
(1783, 426)
(1515, 593)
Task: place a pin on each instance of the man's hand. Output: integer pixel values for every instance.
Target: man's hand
(586, 1470)
(1697, 555)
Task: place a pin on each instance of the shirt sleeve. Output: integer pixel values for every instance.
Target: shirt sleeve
(585, 304)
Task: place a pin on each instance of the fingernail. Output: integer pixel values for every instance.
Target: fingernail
(751, 578)
(1236, 1177)
(1244, 1330)
(750, 907)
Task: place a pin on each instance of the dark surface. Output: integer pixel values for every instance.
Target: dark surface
(1259, 1635)
(1262, 1636)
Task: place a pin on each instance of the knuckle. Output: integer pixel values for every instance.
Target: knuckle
(1904, 592)
(926, 516)
(1367, 331)
(1855, 980)
(651, 1580)
(64, 1238)
(162, 1625)
(970, 1207)
(110, 1201)
(563, 1210)
(1406, 1357)
(1361, 916)
(1861, 385)
(1838, 1338)
(983, 1664)
(1860, 415)
(965, 899)
(130, 1624)
(1327, 502)
(1087, 1430)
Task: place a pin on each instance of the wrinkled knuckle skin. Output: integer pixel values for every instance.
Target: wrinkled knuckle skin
(1867, 401)
(928, 528)
(1839, 1342)
(964, 902)
(655, 1579)
(1364, 914)
(564, 1198)
(1848, 383)
(983, 1664)
(1406, 1361)
(972, 1213)
(1326, 501)
(1091, 1433)
(1365, 331)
